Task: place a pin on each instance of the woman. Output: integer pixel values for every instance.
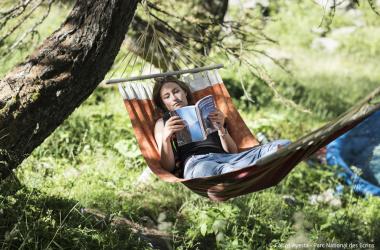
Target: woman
(216, 155)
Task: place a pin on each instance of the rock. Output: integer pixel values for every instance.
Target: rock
(290, 200)
(327, 197)
(273, 54)
(318, 30)
(234, 2)
(357, 17)
(147, 222)
(145, 176)
(326, 44)
(313, 199)
(71, 173)
(249, 4)
(163, 225)
(343, 31)
(335, 202)
(279, 55)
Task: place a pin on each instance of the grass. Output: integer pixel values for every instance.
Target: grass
(92, 161)
(32, 219)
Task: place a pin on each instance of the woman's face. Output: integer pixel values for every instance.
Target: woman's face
(173, 96)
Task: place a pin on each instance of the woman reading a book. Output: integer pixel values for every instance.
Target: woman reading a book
(215, 155)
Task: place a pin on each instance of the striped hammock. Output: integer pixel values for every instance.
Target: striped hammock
(266, 172)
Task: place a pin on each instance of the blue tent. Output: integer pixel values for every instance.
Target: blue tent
(359, 147)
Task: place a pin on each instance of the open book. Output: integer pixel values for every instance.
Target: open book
(198, 125)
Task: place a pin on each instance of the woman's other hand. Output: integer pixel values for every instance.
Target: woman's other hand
(217, 118)
(172, 125)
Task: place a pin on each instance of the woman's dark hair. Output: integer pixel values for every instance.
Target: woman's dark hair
(159, 82)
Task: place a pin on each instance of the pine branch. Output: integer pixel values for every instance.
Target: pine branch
(13, 12)
(23, 19)
(374, 7)
(32, 31)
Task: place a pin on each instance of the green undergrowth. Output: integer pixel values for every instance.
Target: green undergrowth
(325, 82)
(93, 160)
(32, 219)
(102, 172)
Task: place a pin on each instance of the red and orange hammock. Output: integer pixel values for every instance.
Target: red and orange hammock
(267, 172)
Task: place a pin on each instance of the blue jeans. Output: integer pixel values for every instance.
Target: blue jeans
(220, 163)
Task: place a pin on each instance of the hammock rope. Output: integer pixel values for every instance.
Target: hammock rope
(266, 172)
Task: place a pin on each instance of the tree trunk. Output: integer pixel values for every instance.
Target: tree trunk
(37, 95)
(215, 11)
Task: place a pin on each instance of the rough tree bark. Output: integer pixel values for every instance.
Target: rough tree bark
(37, 95)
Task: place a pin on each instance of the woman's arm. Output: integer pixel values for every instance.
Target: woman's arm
(228, 143)
(163, 134)
(218, 118)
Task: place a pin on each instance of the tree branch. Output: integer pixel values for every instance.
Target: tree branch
(10, 32)
(32, 31)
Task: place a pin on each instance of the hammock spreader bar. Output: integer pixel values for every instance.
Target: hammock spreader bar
(268, 171)
(169, 73)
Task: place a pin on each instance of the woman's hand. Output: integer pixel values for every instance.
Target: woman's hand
(172, 125)
(217, 118)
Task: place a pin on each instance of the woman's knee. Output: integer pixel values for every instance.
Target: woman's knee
(273, 146)
(205, 168)
(283, 142)
(278, 144)
(226, 168)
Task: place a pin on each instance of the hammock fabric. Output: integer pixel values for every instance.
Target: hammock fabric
(267, 172)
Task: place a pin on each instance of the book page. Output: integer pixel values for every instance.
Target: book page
(192, 132)
(206, 105)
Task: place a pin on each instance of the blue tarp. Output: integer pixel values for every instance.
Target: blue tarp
(360, 148)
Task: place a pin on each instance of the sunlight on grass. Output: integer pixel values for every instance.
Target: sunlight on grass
(93, 160)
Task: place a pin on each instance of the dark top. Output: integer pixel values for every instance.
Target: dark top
(211, 145)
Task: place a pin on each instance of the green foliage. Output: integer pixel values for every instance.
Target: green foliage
(93, 161)
(249, 222)
(34, 220)
(294, 19)
(363, 39)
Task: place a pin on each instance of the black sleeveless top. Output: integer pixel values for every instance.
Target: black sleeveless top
(211, 145)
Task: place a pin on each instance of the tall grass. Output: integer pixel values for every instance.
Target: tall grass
(92, 160)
